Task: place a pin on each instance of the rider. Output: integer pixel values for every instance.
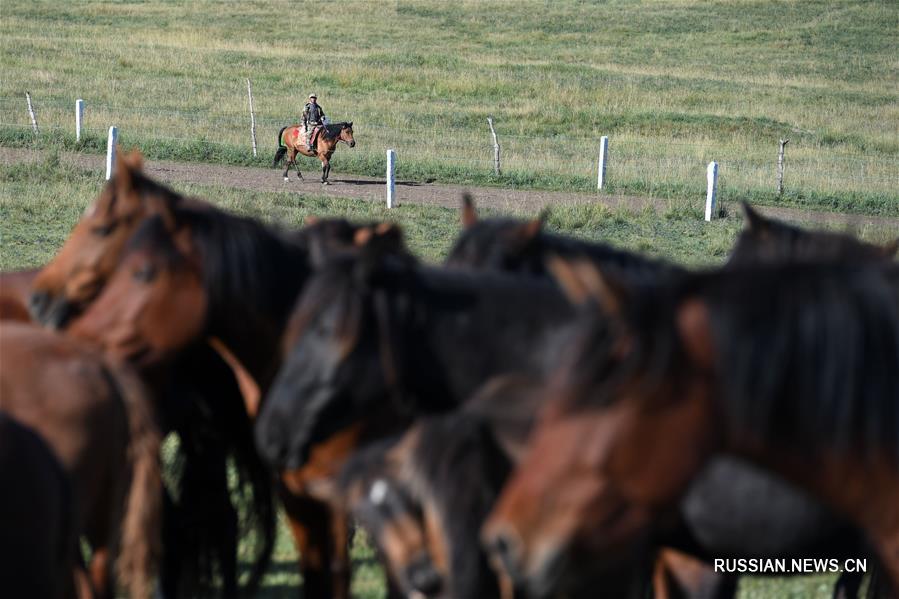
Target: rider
(313, 116)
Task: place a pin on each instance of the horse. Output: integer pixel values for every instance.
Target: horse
(408, 495)
(712, 363)
(38, 545)
(103, 432)
(766, 240)
(216, 275)
(292, 141)
(731, 499)
(375, 341)
(193, 393)
(523, 246)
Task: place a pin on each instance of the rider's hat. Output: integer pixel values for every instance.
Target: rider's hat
(313, 96)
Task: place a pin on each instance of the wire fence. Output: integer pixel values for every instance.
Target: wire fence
(442, 149)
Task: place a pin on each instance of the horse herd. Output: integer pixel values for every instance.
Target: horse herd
(539, 416)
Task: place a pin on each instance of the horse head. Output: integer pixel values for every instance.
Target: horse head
(79, 271)
(346, 134)
(154, 304)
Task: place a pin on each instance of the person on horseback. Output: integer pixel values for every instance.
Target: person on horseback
(313, 116)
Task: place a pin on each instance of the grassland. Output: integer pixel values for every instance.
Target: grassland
(39, 204)
(674, 85)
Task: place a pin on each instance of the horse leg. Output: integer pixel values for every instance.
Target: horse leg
(340, 556)
(326, 168)
(291, 157)
(299, 174)
(308, 522)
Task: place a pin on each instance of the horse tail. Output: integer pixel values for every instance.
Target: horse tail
(140, 542)
(282, 149)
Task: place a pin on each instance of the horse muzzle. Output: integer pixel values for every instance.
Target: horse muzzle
(50, 311)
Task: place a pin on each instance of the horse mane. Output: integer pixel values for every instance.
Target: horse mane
(332, 130)
(249, 268)
(807, 355)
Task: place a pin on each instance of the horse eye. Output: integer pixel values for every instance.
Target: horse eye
(103, 230)
(145, 273)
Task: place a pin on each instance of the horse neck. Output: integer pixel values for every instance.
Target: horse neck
(460, 330)
(249, 308)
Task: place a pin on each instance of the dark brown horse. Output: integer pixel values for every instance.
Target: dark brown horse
(766, 240)
(39, 540)
(795, 368)
(98, 420)
(292, 141)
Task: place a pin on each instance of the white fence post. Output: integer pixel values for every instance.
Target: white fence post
(603, 159)
(252, 117)
(391, 177)
(31, 113)
(495, 146)
(110, 151)
(79, 118)
(712, 190)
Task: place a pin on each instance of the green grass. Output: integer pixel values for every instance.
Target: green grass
(39, 204)
(674, 85)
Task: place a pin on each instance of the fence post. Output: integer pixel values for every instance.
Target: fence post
(495, 146)
(79, 118)
(712, 191)
(780, 166)
(31, 113)
(603, 159)
(391, 177)
(110, 151)
(252, 117)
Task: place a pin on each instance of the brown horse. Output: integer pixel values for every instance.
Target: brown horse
(98, 420)
(68, 285)
(39, 540)
(795, 368)
(292, 141)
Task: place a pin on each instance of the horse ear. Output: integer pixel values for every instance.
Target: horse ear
(469, 212)
(755, 222)
(127, 168)
(362, 236)
(889, 250)
(383, 237)
(249, 388)
(582, 281)
(531, 229)
(695, 332)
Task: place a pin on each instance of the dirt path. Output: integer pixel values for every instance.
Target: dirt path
(438, 194)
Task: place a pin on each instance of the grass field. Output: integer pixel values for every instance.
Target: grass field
(39, 203)
(674, 85)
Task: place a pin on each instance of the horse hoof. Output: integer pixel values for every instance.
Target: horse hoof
(326, 182)
(287, 179)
